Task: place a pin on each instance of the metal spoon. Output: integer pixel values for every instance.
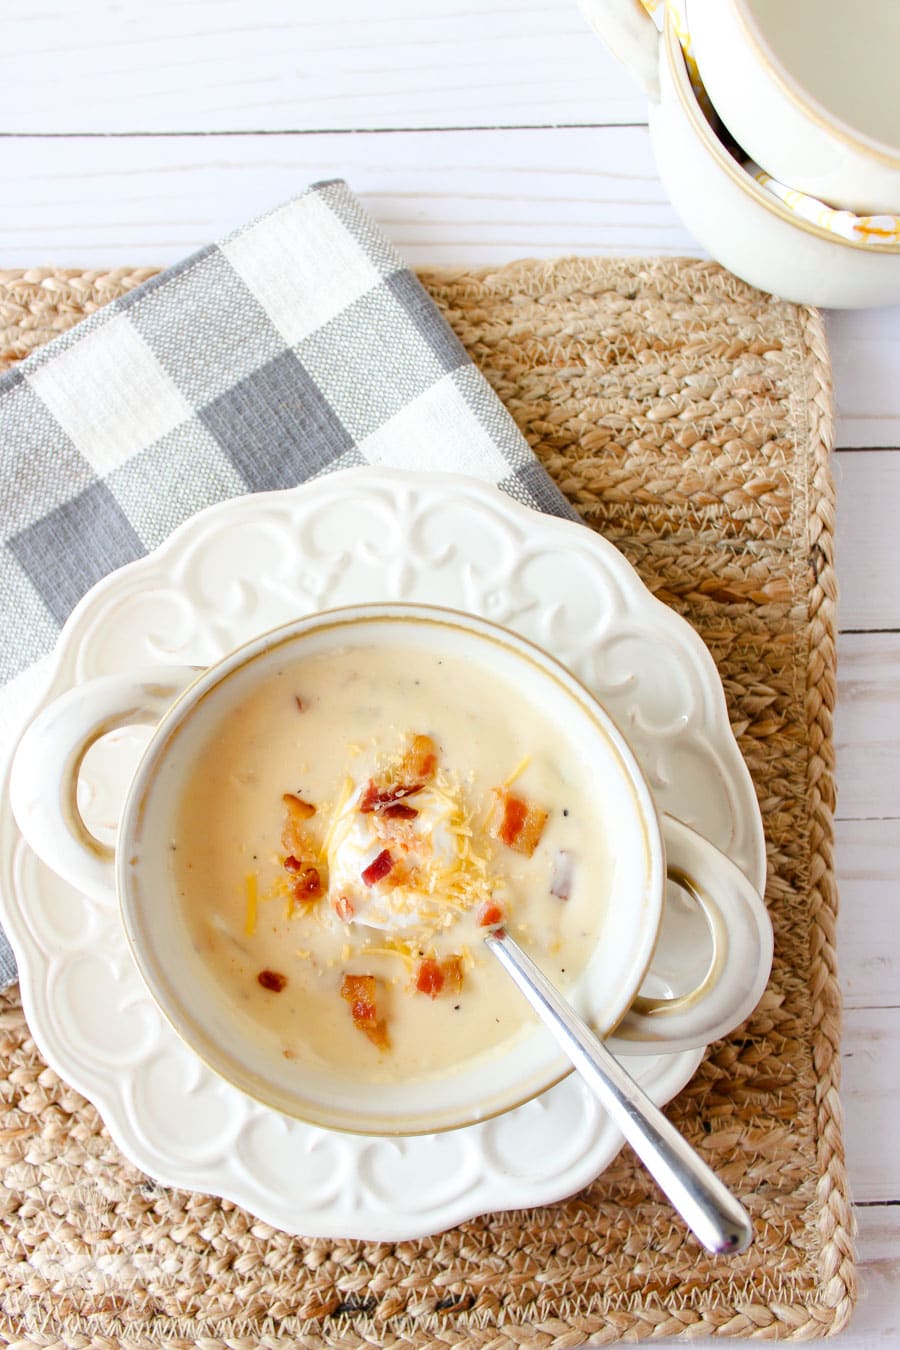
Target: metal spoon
(705, 1204)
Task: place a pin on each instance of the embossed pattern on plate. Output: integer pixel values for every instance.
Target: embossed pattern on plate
(232, 572)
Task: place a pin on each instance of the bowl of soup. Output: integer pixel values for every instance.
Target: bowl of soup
(321, 832)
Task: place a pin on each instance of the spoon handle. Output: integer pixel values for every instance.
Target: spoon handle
(706, 1205)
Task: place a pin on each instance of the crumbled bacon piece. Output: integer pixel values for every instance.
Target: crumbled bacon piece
(301, 706)
(308, 885)
(307, 881)
(420, 760)
(399, 811)
(378, 868)
(272, 980)
(298, 808)
(452, 970)
(293, 835)
(359, 992)
(510, 822)
(375, 798)
(439, 977)
(490, 914)
(378, 1035)
(429, 977)
(416, 768)
(343, 908)
(517, 823)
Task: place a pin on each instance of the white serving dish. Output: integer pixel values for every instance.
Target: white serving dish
(802, 92)
(742, 226)
(232, 572)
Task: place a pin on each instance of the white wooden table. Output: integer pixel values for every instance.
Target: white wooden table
(132, 133)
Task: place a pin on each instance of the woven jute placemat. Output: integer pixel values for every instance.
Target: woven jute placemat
(688, 418)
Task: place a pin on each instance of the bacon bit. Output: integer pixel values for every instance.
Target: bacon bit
(514, 813)
(517, 823)
(301, 706)
(420, 760)
(489, 915)
(416, 768)
(292, 864)
(298, 809)
(272, 980)
(434, 977)
(452, 970)
(308, 885)
(378, 868)
(562, 875)
(293, 836)
(343, 908)
(359, 992)
(398, 811)
(429, 978)
(377, 1034)
(375, 798)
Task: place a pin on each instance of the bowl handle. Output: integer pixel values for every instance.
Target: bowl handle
(44, 778)
(629, 32)
(741, 957)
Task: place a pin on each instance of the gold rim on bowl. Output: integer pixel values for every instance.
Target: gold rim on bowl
(810, 106)
(744, 180)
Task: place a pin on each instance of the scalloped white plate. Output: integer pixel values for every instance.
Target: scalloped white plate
(247, 565)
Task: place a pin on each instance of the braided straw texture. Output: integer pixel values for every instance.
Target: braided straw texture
(688, 417)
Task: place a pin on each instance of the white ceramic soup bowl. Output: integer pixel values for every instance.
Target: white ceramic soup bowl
(187, 706)
(807, 88)
(737, 221)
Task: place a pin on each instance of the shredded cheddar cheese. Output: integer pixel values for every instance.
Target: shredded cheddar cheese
(442, 868)
(437, 872)
(398, 947)
(346, 792)
(518, 771)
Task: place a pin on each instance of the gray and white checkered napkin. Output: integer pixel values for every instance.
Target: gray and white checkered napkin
(298, 345)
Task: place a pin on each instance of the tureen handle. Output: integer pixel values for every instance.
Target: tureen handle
(631, 35)
(44, 778)
(740, 958)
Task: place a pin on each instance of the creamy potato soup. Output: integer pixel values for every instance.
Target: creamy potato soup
(352, 830)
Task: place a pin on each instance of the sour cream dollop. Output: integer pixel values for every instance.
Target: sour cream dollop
(407, 888)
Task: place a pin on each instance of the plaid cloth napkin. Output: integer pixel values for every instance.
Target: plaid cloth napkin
(297, 346)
